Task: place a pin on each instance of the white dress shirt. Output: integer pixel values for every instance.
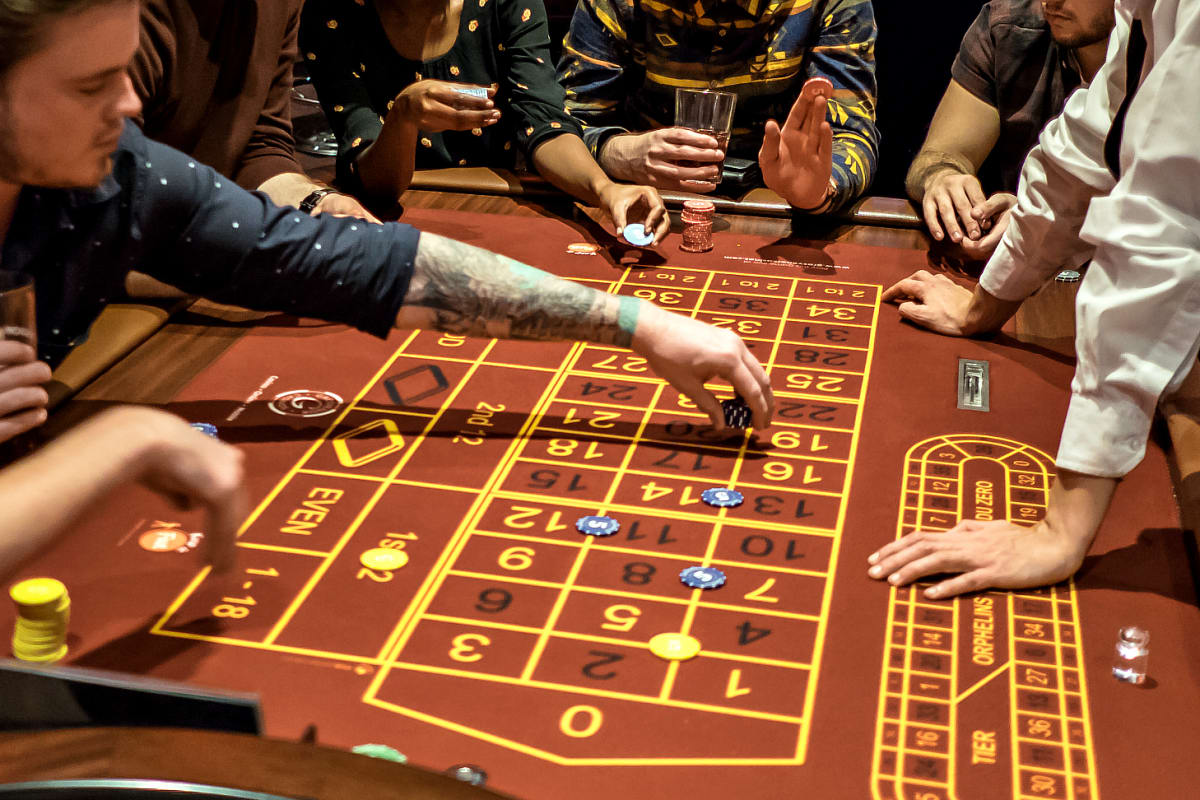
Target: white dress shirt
(1138, 308)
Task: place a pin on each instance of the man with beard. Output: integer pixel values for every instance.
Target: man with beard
(1112, 179)
(1018, 63)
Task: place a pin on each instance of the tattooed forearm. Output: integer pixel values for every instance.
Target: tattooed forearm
(462, 289)
(929, 162)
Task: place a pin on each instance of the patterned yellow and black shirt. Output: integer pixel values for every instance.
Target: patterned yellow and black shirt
(623, 59)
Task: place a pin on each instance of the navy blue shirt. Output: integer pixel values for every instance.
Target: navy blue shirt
(165, 214)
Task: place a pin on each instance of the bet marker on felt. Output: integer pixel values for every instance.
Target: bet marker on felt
(702, 577)
(593, 525)
(43, 610)
(674, 646)
(722, 498)
(383, 558)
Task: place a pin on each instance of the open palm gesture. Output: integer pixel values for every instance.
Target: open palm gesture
(797, 161)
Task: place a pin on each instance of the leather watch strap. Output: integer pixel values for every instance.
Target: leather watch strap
(309, 204)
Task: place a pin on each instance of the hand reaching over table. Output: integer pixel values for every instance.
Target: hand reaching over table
(41, 494)
(999, 553)
(950, 196)
(625, 203)
(941, 305)
(995, 553)
(463, 289)
(992, 215)
(687, 353)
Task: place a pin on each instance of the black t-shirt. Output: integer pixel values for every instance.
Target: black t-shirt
(1009, 60)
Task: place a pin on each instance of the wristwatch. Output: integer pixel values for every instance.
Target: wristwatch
(309, 204)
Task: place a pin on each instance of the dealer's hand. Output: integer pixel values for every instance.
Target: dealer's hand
(687, 353)
(670, 158)
(22, 396)
(932, 301)
(797, 161)
(625, 203)
(992, 215)
(995, 553)
(437, 106)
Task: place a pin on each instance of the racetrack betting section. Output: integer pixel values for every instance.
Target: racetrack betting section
(500, 636)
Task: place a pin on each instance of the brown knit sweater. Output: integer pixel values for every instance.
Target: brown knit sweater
(215, 79)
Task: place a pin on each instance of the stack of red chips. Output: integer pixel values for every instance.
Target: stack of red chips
(697, 226)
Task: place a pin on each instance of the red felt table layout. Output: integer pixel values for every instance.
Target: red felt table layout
(512, 642)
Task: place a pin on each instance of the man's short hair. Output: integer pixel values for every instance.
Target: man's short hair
(23, 22)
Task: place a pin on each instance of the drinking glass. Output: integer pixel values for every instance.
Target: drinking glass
(18, 318)
(706, 111)
(18, 322)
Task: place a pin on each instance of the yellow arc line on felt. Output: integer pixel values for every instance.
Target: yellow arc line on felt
(920, 454)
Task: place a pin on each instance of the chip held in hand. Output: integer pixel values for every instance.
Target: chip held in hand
(636, 234)
(474, 91)
(737, 413)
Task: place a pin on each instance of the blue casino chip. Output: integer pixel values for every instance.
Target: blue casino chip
(636, 234)
(597, 526)
(207, 428)
(722, 498)
(702, 577)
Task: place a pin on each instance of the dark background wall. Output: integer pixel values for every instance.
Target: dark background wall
(917, 42)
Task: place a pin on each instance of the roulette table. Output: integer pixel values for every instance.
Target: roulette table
(507, 640)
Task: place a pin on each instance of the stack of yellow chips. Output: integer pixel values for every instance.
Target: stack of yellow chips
(43, 609)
